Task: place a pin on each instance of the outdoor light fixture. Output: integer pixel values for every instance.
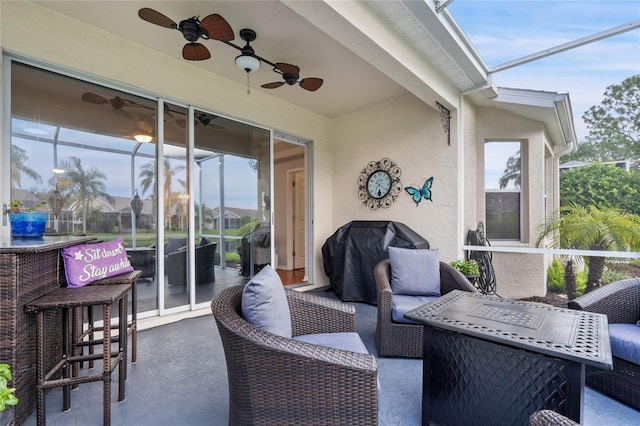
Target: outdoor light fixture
(247, 61)
(58, 171)
(142, 132)
(56, 202)
(137, 204)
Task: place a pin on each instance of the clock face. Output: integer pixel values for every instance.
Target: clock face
(379, 184)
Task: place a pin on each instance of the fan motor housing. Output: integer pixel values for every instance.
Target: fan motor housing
(191, 29)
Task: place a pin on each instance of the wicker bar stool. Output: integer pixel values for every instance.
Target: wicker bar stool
(87, 337)
(67, 300)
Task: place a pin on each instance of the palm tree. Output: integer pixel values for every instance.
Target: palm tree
(512, 171)
(84, 186)
(19, 159)
(148, 179)
(590, 228)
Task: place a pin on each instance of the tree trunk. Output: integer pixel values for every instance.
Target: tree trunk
(570, 280)
(596, 267)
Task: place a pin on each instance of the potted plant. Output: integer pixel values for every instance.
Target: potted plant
(468, 267)
(27, 222)
(7, 397)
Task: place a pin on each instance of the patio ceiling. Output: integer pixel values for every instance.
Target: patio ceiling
(372, 50)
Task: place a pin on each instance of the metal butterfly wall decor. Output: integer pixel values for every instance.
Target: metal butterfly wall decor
(419, 194)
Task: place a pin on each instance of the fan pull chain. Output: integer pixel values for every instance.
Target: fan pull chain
(248, 83)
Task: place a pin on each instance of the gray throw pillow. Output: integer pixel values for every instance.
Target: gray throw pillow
(174, 244)
(414, 272)
(264, 303)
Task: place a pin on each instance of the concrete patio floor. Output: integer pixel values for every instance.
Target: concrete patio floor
(180, 379)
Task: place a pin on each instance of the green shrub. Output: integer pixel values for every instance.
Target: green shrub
(581, 281)
(555, 277)
(231, 257)
(467, 267)
(609, 276)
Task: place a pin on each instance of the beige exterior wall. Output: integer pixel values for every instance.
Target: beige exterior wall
(518, 275)
(409, 133)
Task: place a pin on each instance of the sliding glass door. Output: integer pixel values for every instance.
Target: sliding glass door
(187, 190)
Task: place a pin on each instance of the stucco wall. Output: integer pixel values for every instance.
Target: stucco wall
(76, 46)
(517, 275)
(409, 133)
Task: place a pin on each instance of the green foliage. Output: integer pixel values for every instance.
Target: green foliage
(247, 227)
(16, 206)
(467, 267)
(555, 277)
(614, 128)
(581, 281)
(231, 257)
(609, 276)
(602, 186)
(7, 396)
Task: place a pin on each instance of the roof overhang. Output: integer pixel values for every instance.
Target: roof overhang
(550, 108)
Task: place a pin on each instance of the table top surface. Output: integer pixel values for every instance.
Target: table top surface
(67, 297)
(36, 245)
(563, 333)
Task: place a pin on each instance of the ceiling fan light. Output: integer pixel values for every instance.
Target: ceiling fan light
(142, 132)
(142, 138)
(248, 63)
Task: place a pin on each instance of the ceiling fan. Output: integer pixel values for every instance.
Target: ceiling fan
(291, 75)
(117, 104)
(213, 27)
(201, 118)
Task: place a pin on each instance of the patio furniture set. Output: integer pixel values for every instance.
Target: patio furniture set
(473, 346)
(46, 325)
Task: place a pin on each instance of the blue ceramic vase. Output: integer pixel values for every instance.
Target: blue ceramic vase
(28, 224)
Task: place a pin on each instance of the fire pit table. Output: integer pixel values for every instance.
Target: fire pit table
(489, 360)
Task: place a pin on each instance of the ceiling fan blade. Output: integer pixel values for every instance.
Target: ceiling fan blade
(287, 68)
(157, 18)
(92, 98)
(311, 83)
(195, 52)
(217, 28)
(273, 85)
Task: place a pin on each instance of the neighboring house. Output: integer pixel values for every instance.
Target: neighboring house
(418, 94)
(233, 217)
(571, 165)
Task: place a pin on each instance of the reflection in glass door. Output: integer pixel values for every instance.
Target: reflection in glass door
(231, 203)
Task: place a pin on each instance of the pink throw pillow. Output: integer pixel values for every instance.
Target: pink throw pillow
(86, 263)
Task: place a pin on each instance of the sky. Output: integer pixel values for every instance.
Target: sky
(504, 30)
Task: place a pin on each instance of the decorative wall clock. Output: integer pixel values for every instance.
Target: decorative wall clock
(379, 184)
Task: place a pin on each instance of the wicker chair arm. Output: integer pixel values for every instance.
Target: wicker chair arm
(550, 418)
(312, 314)
(452, 279)
(620, 301)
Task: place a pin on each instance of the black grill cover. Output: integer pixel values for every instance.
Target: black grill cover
(352, 252)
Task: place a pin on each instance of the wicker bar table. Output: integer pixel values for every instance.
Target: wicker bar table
(28, 269)
(489, 360)
(66, 300)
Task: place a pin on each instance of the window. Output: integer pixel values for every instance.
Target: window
(503, 193)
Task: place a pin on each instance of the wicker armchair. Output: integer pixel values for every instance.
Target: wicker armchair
(550, 418)
(276, 380)
(400, 339)
(620, 302)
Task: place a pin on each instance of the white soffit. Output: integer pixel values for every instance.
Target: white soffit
(438, 38)
(552, 109)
